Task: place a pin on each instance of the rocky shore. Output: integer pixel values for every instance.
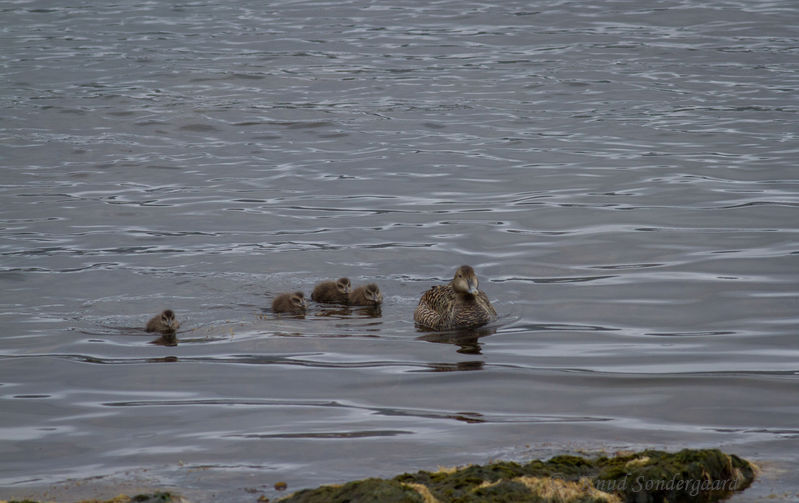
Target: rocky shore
(688, 476)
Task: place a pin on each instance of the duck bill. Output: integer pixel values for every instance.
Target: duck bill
(472, 287)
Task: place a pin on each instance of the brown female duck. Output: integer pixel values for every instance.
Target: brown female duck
(163, 322)
(458, 304)
(332, 291)
(366, 295)
(290, 303)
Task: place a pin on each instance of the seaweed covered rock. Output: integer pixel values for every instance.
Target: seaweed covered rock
(695, 476)
(387, 491)
(691, 476)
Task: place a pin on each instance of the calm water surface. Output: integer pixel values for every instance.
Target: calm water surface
(622, 175)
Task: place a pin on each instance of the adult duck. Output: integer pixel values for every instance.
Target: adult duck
(459, 304)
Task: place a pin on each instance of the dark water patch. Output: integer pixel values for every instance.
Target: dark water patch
(325, 435)
(168, 233)
(304, 124)
(576, 279)
(760, 203)
(784, 433)
(451, 367)
(627, 266)
(122, 113)
(199, 128)
(67, 270)
(14, 274)
(334, 136)
(536, 327)
(247, 76)
(151, 122)
(465, 417)
(287, 360)
(163, 167)
(692, 334)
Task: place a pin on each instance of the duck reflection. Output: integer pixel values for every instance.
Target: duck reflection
(456, 367)
(466, 339)
(165, 359)
(167, 339)
(349, 311)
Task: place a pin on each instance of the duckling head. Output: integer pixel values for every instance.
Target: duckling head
(169, 321)
(297, 300)
(465, 280)
(343, 285)
(373, 293)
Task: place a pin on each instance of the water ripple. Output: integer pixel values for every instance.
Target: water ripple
(621, 176)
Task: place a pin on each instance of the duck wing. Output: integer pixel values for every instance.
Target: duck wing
(482, 299)
(435, 307)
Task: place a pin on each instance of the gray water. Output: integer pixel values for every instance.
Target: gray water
(622, 175)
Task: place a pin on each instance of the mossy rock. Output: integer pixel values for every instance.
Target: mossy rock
(363, 491)
(691, 476)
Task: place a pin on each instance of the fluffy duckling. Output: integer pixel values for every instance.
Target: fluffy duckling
(332, 291)
(164, 322)
(290, 303)
(458, 304)
(366, 295)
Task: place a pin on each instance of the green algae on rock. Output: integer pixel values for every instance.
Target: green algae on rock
(384, 491)
(691, 476)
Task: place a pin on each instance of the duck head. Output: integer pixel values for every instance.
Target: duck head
(297, 300)
(169, 320)
(343, 285)
(465, 280)
(373, 293)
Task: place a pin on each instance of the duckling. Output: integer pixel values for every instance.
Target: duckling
(366, 295)
(458, 304)
(290, 303)
(332, 291)
(163, 322)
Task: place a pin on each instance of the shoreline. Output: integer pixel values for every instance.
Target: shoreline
(690, 475)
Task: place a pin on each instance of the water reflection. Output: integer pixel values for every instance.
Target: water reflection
(349, 311)
(167, 339)
(466, 339)
(457, 367)
(334, 311)
(326, 434)
(296, 316)
(164, 359)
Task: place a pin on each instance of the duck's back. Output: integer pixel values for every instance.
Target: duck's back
(328, 292)
(441, 308)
